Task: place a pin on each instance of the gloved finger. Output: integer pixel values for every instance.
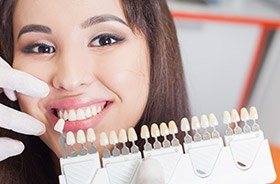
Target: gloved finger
(4, 64)
(150, 171)
(10, 94)
(20, 122)
(10, 147)
(23, 83)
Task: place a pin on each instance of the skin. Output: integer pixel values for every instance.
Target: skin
(78, 67)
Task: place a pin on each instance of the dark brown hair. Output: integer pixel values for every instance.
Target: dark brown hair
(167, 96)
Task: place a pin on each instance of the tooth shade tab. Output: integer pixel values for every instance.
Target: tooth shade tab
(91, 135)
(155, 130)
(195, 123)
(81, 138)
(70, 138)
(213, 120)
(122, 136)
(235, 116)
(253, 113)
(59, 126)
(244, 114)
(104, 139)
(204, 121)
(172, 127)
(132, 136)
(113, 138)
(226, 118)
(163, 129)
(145, 133)
(185, 125)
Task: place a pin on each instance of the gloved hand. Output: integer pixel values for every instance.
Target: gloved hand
(150, 171)
(12, 81)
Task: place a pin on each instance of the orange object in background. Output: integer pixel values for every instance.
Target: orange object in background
(275, 151)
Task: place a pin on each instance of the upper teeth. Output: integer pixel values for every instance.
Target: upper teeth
(79, 114)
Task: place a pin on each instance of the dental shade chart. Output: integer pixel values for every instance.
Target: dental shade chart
(242, 156)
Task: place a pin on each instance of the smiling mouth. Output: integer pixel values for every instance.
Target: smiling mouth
(81, 113)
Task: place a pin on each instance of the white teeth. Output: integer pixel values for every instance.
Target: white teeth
(163, 129)
(213, 120)
(155, 130)
(104, 139)
(145, 134)
(70, 138)
(72, 115)
(204, 121)
(113, 138)
(235, 116)
(185, 125)
(94, 110)
(122, 136)
(99, 109)
(195, 123)
(60, 114)
(88, 112)
(172, 127)
(91, 135)
(81, 138)
(226, 118)
(244, 114)
(65, 115)
(81, 114)
(253, 113)
(132, 136)
(59, 126)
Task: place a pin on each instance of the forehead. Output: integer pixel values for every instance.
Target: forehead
(62, 12)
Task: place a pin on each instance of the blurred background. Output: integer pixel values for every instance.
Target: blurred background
(231, 56)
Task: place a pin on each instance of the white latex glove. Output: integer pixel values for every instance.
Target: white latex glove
(12, 81)
(150, 171)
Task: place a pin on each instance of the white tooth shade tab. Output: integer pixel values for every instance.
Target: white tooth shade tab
(70, 138)
(132, 136)
(103, 139)
(163, 129)
(145, 133)
(235, 116)
(91, 137)
(72, 115)
(113, 138)
(185, 125)
(80, 114)
(226, 118)
(204, 121)
(122, 136)
(195, 123)
(253, 113)
(173, 129)
(155, 130)
(213, 120)
(81, 137)
(244, 114)
(59, 126)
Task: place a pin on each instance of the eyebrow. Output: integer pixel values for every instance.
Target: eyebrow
(87, 23)
(99, 19)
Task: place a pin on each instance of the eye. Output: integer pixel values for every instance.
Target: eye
(39, 48)
(105, 40)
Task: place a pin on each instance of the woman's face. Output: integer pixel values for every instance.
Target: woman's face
(97, 69)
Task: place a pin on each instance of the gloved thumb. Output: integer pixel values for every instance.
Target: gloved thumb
(150, 171)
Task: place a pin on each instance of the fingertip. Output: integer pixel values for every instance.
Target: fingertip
(18, 147)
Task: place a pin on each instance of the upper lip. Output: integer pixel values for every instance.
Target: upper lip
(74, 103)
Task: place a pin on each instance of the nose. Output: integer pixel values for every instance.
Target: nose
(72, 73)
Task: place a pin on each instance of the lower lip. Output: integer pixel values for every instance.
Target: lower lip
(85, 124)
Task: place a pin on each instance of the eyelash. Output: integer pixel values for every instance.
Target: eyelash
(43, 48)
